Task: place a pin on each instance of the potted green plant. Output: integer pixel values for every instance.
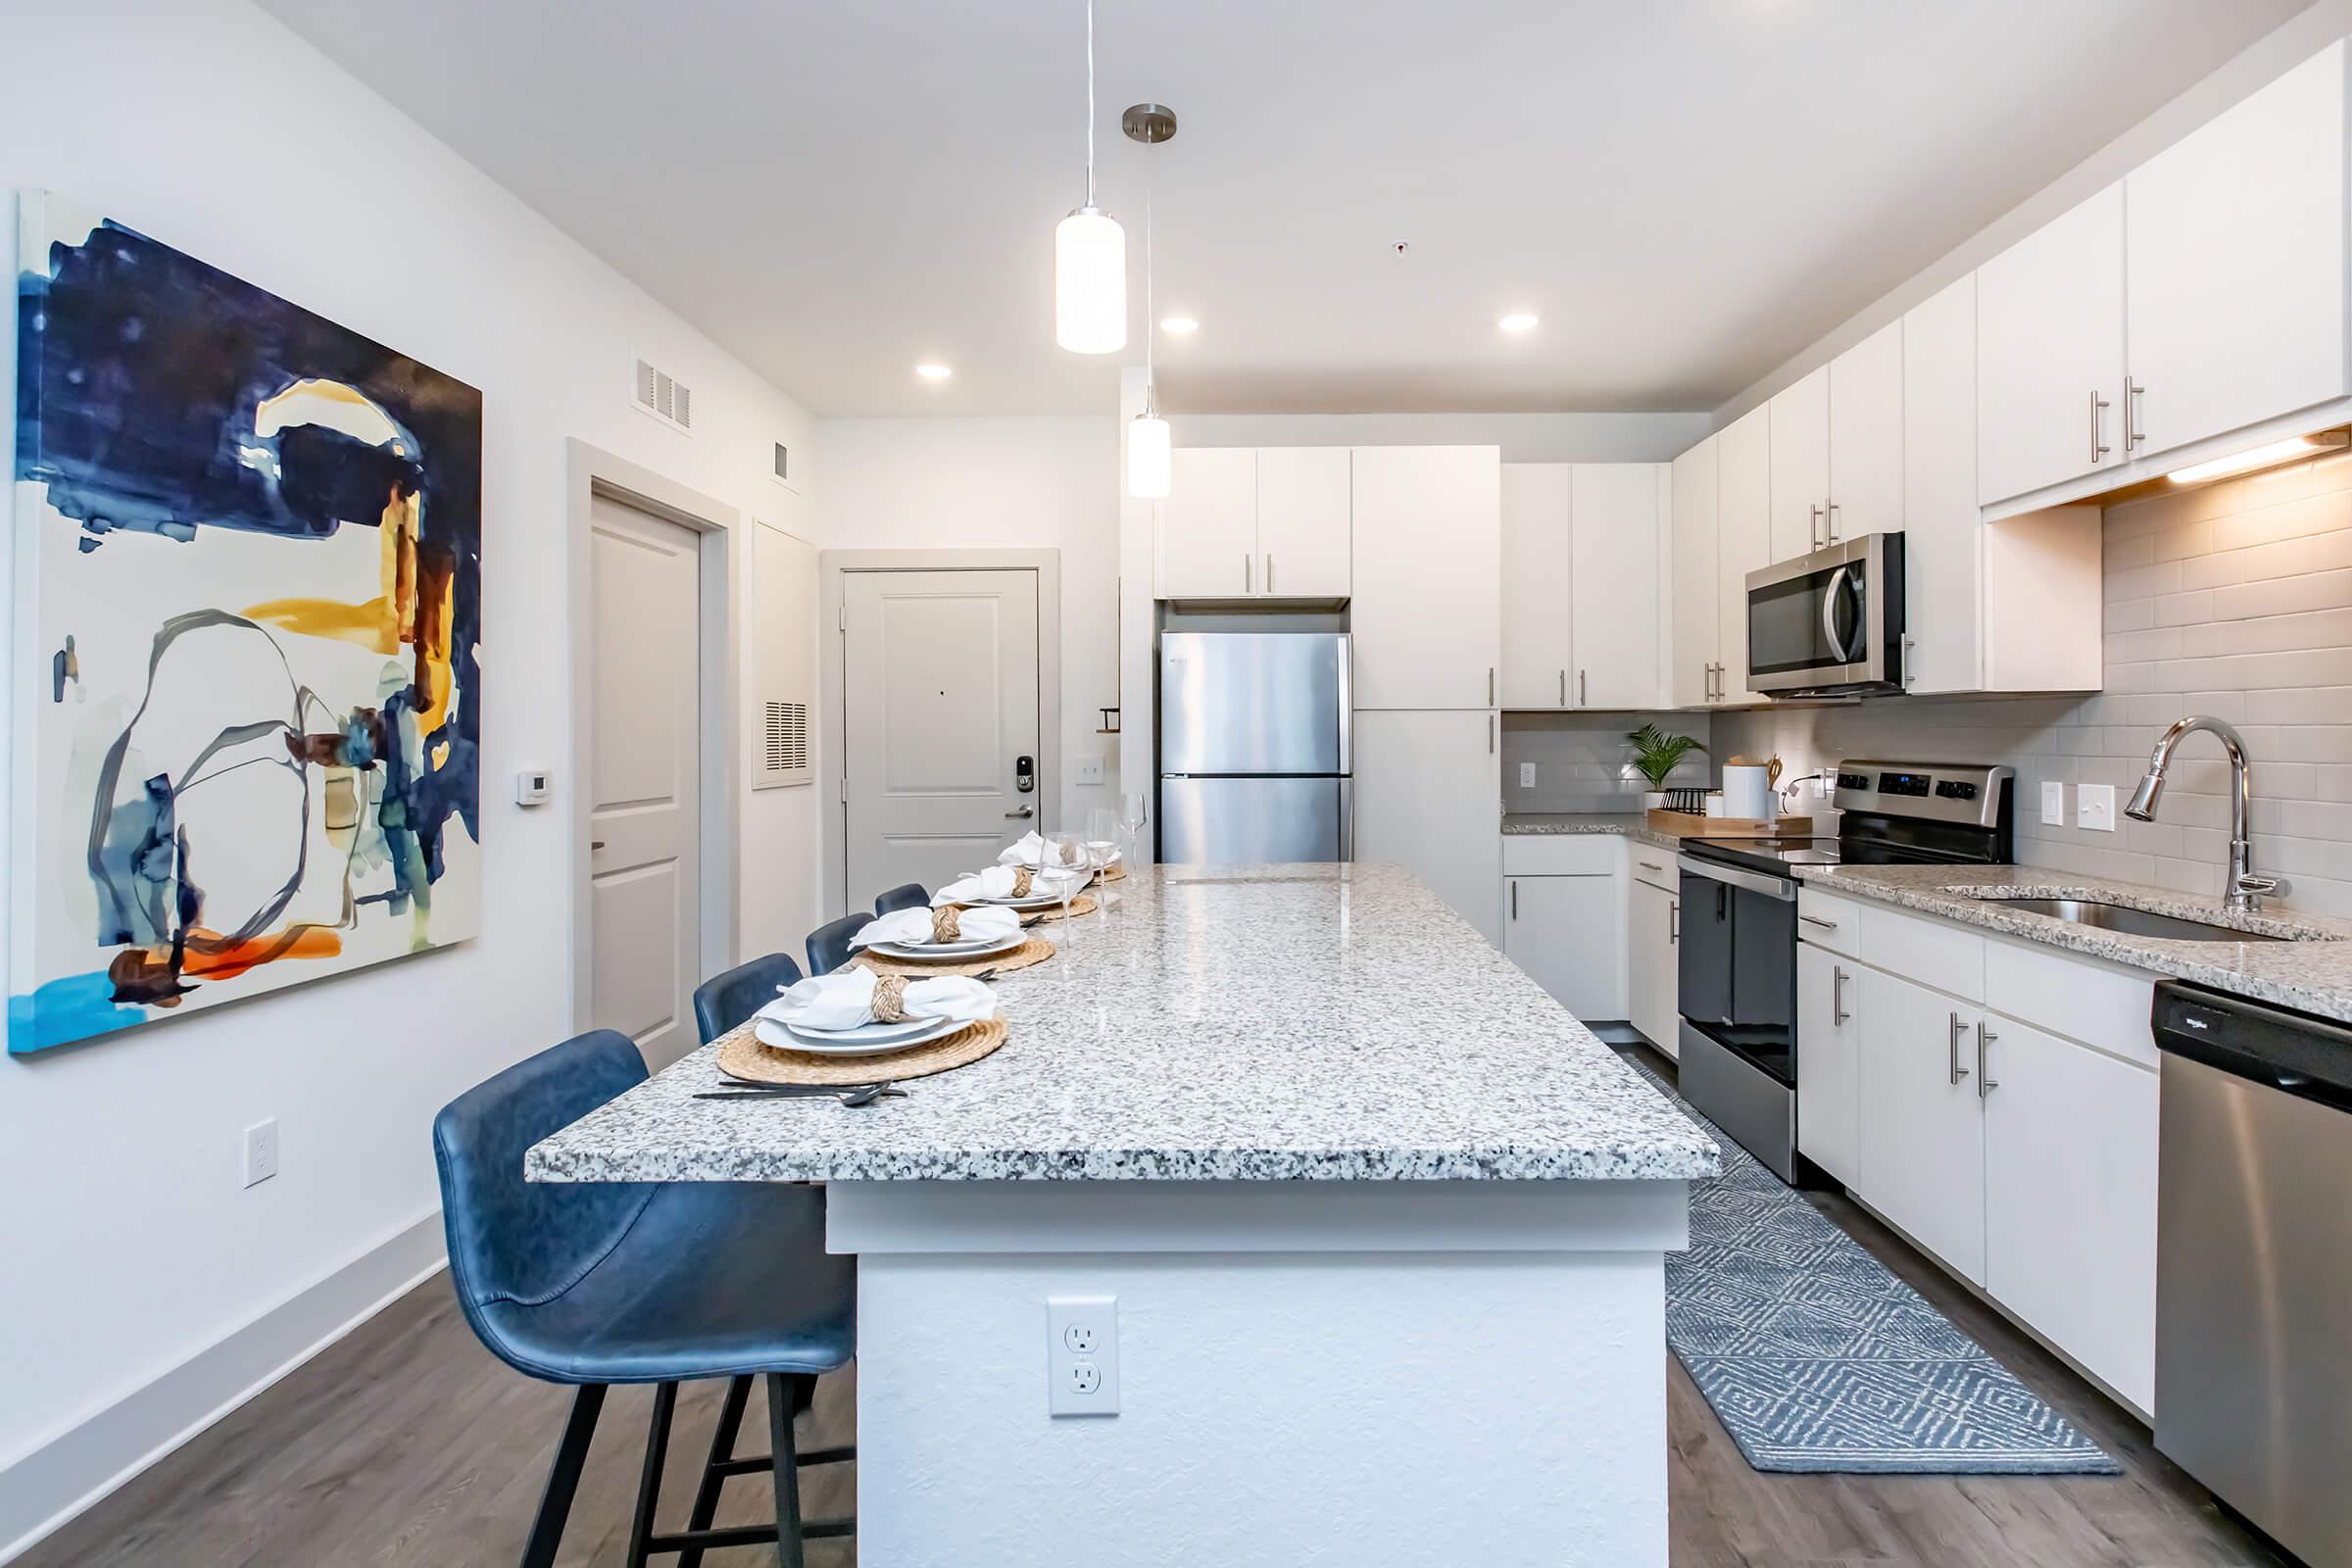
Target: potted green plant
(1655, 754)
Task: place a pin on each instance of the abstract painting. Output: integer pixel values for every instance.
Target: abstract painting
(246, 708)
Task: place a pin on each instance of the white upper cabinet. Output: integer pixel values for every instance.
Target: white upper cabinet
(2234, 238)
(1305, 511)
(1209, 525)
(1942, 522)
(2050, 353)
(1742, 541)
(1866, 438)
(1799, 422)
(1613, 525)
(1537, 649)
(1692, 665)
(1428, 577)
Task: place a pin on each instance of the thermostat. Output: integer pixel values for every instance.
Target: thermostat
(532, 786)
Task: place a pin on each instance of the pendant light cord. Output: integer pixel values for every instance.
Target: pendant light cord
(1151, 323)
(1090, 103)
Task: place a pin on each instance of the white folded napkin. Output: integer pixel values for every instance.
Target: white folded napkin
(995, 882)
(1032, 849)
(912, 928)
(846, 999)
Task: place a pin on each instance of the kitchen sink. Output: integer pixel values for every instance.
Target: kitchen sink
(2132, 922)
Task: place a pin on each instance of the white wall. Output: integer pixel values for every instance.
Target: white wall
(1523, 437)
(1034, 482)
(130, 1249)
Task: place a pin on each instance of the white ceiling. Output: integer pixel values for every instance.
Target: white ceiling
(1685, 191)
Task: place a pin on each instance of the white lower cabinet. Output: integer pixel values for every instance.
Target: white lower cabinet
(1564, 932)
(1654, 944)
(1829, 1080)
(2070, 1201)
(1428, 796)
(1921, 1142)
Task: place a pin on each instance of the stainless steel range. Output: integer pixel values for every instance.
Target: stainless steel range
(1737, 983)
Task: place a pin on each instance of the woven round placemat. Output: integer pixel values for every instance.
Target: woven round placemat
(1083, 904)
(1037, 950)
(741, 1055)
(1116, 873)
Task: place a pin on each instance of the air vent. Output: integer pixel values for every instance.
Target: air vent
(783, 464)
(664, 398)
(787, 737)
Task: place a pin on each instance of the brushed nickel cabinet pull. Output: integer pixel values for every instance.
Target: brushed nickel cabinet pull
(2134, 435)
(1248, 572)
(1958, 1073)
(1492, 727)
(1813, 533)
(2099, 448)
(1269, 571)
(1986, 1083)
(1831, 520)
(1490, 685)
(1815, 919)
(1674, 922)
(1563, 688)
(1838, 1013)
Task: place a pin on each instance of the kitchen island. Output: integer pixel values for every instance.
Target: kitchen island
(1385, 1226)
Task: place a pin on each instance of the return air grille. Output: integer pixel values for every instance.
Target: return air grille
(665, 397)
(787, 737)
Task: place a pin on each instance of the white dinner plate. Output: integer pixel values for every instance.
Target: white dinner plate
(771, 1033)
(1035, 901)
(869, 1030)
(946, 950)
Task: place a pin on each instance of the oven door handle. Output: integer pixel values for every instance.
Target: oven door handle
(1770, 887)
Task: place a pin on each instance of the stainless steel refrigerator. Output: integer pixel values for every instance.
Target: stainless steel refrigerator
(1253, 754)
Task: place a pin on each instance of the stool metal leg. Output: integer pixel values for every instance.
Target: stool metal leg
(785, 1466)
(563, 1477)
(723, 1448)
(649, 1485)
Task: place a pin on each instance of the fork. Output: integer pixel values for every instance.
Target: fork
(855, 1095)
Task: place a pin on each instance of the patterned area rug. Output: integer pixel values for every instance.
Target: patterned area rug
(1816, 1358)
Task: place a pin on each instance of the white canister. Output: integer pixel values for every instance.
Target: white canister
(1746, 791)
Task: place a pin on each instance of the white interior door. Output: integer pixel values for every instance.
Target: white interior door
(645, 778)
(940, 702)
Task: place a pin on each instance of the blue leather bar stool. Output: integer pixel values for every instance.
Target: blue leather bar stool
(906, 896)
(725, 1001)
(829, 944)
(593, 1284)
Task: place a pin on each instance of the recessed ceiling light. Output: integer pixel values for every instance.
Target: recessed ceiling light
(1517, 322)
(933, 372)
(1179, 326)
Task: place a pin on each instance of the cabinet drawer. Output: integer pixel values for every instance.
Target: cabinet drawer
(2081, 998)
(1829, 921)
(1654, 865)
(1561, 854)
(1933, 953)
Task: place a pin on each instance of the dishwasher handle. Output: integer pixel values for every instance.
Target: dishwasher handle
(2292, 1053)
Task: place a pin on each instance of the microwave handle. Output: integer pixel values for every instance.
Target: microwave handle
(1840, 580)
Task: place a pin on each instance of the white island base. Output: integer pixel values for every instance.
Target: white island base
(1371, 1373)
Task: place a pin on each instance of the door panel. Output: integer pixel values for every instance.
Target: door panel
(1829, 1126)
(1428, 796)
(1651, 945)
(1305, 515)
(1801, 465)
(1743, 539)
(1209, 525)
(940, 698)
(1943, 525)
(2049, 339)
(1613, 534)
(1536, 599)
(1921, 1146)
(1250, 822)
(1697, 627)
(645, 778)
(1428, 577)
(1251, 702)
(1562, 930)
(1866, 438)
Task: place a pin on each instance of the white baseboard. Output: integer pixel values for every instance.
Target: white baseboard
(65, 1474)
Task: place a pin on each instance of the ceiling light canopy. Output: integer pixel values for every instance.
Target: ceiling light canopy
(1518, 321)
(1090, 255)
(2261, 456)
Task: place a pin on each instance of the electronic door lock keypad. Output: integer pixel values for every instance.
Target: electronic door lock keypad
(1024, 774)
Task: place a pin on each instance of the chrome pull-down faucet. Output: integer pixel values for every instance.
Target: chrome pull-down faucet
(2244, 890)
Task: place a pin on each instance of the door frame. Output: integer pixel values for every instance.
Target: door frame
(717, 527)
(833, 565)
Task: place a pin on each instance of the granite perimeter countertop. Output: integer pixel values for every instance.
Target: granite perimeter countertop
(1216, 1023)
(1630, 824)
(2313, 976)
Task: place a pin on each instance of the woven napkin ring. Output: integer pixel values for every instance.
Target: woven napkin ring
(946, 923)
(890, 998)
(1023, 879)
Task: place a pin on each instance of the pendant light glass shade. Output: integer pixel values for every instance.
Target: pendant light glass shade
(1148, 464)
(1090, 282)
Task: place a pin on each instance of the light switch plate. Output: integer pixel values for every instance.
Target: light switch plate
(2053, 804)
(1082, 1356)
(1090, 770)
(1526, 775)
(2095, 807)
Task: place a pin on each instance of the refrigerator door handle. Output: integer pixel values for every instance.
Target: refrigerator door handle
(1347, 702)
(1347, 819)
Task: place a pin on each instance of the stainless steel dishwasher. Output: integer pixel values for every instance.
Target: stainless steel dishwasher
(2254, 1262)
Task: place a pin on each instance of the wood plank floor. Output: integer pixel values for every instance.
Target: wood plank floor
(405, 1443)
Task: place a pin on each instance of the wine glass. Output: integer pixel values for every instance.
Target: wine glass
(1102, 849)
(1134, 812)
(1066, 851)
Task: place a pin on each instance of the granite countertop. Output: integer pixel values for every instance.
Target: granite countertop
(1634, 825)
(1236, 1023)
(2313, 976)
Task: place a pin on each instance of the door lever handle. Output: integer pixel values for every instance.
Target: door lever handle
(1026, 810)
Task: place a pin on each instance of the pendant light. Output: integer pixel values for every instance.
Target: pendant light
(1090, 255)
(1148, 458)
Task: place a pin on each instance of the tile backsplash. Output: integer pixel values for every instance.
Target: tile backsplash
(1583, 763)
(2234, 599)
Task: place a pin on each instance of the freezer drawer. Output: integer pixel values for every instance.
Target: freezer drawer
(1253, 703)
(1236, 821)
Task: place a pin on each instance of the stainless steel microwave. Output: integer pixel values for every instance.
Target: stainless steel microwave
(1831, 624)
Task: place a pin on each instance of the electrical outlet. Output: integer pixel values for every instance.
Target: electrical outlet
(1526, 775)
(261, 1151)
(1090, 770)
(2095, 807)
(1082, 1356)
(2053, 804)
